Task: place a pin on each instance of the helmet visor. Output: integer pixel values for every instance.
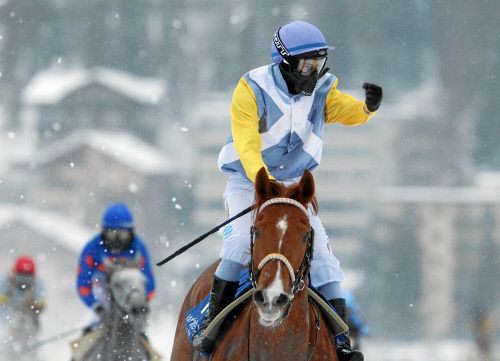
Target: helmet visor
(308, 66)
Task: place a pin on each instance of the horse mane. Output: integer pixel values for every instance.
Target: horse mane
(279, 190)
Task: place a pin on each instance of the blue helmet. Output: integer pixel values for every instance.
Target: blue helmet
(118, 216)
(298, 37)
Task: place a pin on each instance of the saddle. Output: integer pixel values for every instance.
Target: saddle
(81, 346)
(194, 316)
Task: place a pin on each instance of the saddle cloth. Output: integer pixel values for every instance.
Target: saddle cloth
(194, 316)
(82, 346)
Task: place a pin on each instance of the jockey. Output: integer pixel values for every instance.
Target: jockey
(278, 114)
(116, 242)
(22, 290)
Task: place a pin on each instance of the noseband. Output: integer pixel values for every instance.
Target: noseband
(296, 277)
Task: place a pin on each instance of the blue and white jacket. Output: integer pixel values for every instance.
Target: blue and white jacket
(282, 132)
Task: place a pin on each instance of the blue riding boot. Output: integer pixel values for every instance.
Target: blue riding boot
(343, 342)
(221, 295)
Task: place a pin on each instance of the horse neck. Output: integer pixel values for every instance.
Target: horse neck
(121, 336)
(294, 332)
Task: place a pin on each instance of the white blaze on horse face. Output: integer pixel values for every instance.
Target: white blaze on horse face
(282, 226)
(276, 288)
(270, 314)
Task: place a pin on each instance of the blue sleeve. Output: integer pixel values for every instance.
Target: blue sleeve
(146, 270)
(4, 285)
(4, 290)
(354, 314)
(86, 267)
(39, 291)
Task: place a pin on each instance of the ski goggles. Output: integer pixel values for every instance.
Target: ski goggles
(117, 240)
(308, 66)
(117, 234)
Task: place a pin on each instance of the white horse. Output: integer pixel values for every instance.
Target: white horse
(121, 335)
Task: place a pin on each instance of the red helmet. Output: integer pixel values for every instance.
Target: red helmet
(24, 265)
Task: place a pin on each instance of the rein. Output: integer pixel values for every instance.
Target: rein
(297, 278)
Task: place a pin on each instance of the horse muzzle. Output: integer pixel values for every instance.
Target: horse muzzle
(272, 308)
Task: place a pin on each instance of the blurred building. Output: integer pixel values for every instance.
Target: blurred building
(54, 241)
(435, 229)
(211, 122)
(450, 238)
(88, 137)
(421, 143)
(84, 172)
(56, 101)
(346, 181)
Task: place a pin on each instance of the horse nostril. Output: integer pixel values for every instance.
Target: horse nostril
(282, 300)
(258, 296)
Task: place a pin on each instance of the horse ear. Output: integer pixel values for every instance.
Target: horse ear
(307, 187)
(263, 186)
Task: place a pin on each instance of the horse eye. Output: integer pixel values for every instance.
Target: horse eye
(307, 237)
(256, 233)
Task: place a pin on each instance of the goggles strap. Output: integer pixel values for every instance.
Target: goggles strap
(278, 43)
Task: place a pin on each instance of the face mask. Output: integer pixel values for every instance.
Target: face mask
(23, 282)
(117, 240)
(304, 73)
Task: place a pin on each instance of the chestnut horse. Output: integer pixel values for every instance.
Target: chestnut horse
(280, 323)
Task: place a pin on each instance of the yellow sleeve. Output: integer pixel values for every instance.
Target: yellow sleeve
(245, 129)
(344, 108)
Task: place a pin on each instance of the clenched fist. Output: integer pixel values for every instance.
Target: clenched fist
(373, 96)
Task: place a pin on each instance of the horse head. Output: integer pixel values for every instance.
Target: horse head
(282, 244)
(127, 285)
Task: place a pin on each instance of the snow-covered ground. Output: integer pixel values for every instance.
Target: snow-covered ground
(162, 331)
(442, 350)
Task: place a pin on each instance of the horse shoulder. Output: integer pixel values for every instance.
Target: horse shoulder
(182, 349)
(233, 342)
(325, 346)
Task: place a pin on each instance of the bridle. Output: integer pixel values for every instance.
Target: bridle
(120, 303)
(298, 277)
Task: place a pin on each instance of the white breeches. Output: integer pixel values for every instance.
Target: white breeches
(240, 194)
